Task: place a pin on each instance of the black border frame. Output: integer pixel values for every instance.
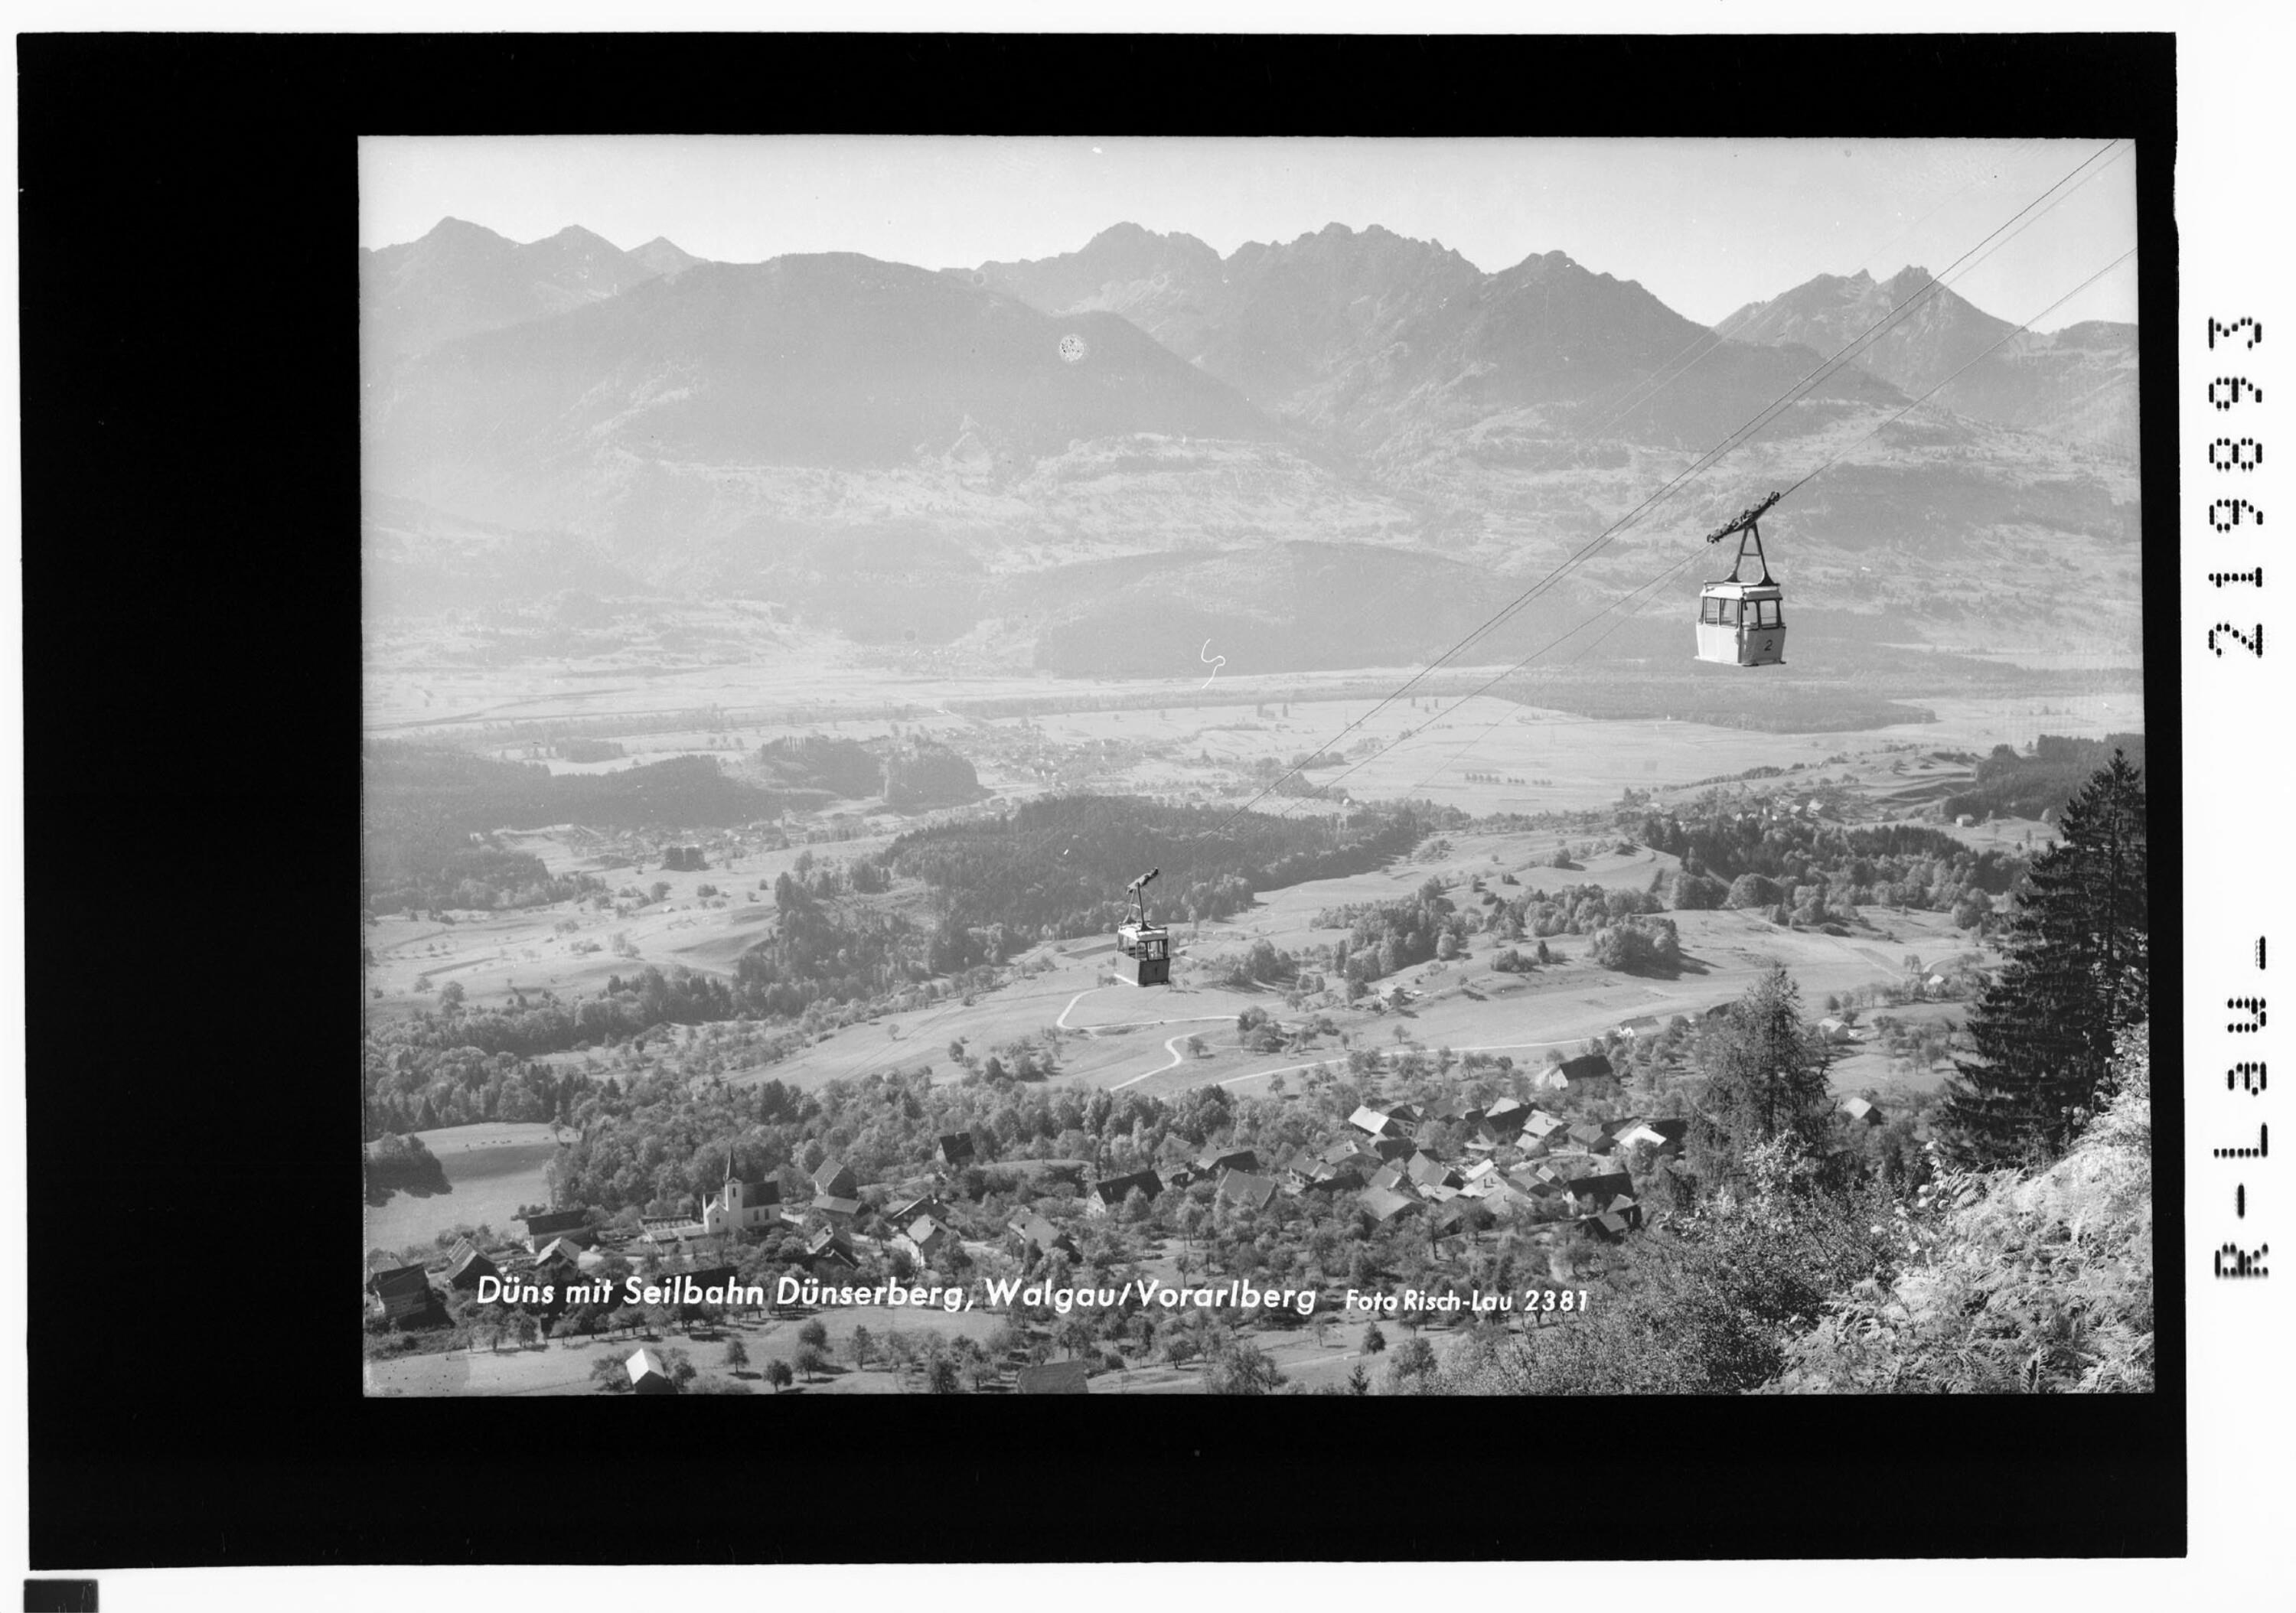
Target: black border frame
(189, 386)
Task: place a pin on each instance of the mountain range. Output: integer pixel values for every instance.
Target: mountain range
(996, 436)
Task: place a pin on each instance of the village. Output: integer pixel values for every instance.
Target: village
(1400, 1212)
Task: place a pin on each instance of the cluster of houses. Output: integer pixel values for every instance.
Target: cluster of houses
(1509, 1157)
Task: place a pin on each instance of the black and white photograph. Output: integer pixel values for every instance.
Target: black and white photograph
(1178, 766)
(1524, 784)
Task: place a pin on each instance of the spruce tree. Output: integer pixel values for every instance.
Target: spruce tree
(1765, 1077)
(2074, 979)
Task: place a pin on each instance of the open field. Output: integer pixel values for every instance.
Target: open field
(491, 1169)
(1123, 1036)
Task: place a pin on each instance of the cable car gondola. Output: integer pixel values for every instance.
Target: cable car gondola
(1743, 624)
(1148, 946)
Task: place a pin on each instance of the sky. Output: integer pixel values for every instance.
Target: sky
(1706, 226)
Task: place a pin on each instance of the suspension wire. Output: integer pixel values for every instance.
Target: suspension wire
(1835, 458)
(1710, 340)
(1730, 444)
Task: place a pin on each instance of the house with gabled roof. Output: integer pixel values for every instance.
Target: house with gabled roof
(1371, 1123)
(402, 1293)
(1391, 1178)
(1667, 1136)
(1212, 1161)
(836, 1180)
(1052, 1378)
(1426, 1171)
(1106, 1198)
(647, 1376)
(1862, 1112)
(1246, 1190)
(1393, 1147)
(924, 1238)
(466, 1265)
(1040, 1235)
(901, 1214)
(1384, 1204)
(572, 1224)
(1587, 1067)
(1597, 1192)
(828, 1249)
(1538, 1125)
(841, 1211)
(956, 1149)
(558, 1261)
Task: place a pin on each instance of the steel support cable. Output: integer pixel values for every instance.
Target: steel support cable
(2046, 202)
(1714, 339)
(1824, 465)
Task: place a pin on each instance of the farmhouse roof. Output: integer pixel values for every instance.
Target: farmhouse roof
(1601, 1190)
(643, 1365)
(1370, 1120)
(1384, 1204)
(827, 1246)
(398, 1280)
(1229, 1158)
(925, 1205)
(1243, 1188)
(956, 1148)
(1052, 1378)
(556, 1221)
(1117, 1189)
(462, 1257)
(1541, 1122)
(1505, 1109)
(1586, 1067)
(836, 1180)
(1034, 1229)
(1428, 1171)
(1858, 1109)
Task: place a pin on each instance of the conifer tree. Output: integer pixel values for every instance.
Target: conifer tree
(2075, 977)
(1765, 1077)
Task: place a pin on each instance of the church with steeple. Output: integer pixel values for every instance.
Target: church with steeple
(736, 1207)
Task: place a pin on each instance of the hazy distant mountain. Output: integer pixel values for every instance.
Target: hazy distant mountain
(1340, 447)
(1169, 285)
(2078, 382)
(681, 408)
(1373, 337)
(462, 278)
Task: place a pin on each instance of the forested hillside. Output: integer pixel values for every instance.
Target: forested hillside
(1059, 867)
(428, 809)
